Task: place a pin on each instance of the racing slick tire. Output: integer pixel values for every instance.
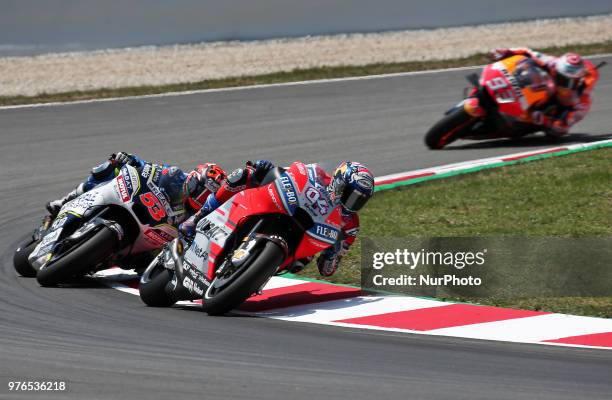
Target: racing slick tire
(260, 270)
(20, 258)
(153, 286)
(448, 129)
(79, 259)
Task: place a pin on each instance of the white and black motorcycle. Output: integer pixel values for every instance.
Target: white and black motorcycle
(130, 215)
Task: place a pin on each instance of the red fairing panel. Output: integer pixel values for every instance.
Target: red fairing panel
(497, 85)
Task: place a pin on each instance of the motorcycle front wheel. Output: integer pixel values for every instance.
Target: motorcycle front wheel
(79, 259)
(220, 300)
(448, 129)
(153, 284)
(20, 258)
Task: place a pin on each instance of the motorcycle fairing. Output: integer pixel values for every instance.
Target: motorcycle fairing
(121, 191)
(283, 196)
(513, 99)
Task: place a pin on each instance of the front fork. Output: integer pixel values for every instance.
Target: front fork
(187, 283)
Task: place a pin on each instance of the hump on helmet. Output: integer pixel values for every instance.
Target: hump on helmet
(352, 185)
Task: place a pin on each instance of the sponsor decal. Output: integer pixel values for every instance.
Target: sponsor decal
(327, 231)
(200, 251)
(273, 197)
(289, 190)
(285, 187)
(83, 202)
(123, 190)
(134, 182)
(146, 171)
(156, 175)
(324, 233)
(312, 175)
(192, 286)
(318, 244)
(213, 232)
(157, 236)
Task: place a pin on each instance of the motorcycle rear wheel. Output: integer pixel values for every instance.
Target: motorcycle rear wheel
(260, 270)
(448, 129)
(79, 259)
(20, 258)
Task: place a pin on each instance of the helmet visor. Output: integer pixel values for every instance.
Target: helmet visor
(353, 200)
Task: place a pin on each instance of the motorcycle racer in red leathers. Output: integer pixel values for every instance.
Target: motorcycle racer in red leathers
(351, 185)
(574, 79)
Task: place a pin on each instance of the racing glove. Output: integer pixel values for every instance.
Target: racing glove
(497, 54)
(188, 227)
(261, 168)
(122, 158)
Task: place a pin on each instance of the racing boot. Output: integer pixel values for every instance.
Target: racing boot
(54, 206)
(299, 265)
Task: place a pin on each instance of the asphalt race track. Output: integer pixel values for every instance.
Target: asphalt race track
(107, 344)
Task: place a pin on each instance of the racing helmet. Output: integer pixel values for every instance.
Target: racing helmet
(352, 185)
(201, 182)
(570, 71)
(171, 183)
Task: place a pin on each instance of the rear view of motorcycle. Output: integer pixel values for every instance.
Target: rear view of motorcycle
(500, 104)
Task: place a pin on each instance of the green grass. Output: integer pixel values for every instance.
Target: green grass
(560, 196)
(281, 77)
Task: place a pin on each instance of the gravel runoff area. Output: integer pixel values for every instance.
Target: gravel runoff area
(62, 72)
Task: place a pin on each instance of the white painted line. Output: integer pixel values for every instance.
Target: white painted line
(353, 307)
(262, 86)
(533, 330)
(121, 287)
(236, 88)
(280, 282)
(117, 274)
(487, 161)
(530, 329)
